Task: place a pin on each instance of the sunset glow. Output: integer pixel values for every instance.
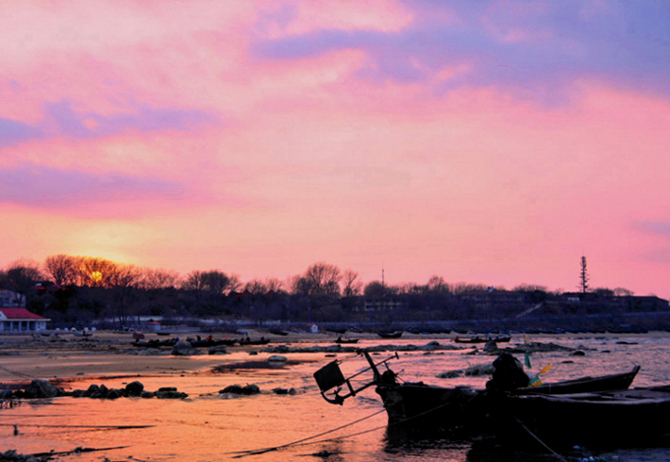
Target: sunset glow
(487, 142)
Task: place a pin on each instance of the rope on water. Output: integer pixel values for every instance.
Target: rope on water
(537, 438)
(303, 441)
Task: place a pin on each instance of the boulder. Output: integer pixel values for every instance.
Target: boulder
(242, 390)
(134, 388)
(183, 348)
(40, 389)
(218, 350)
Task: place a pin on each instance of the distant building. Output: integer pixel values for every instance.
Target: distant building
(387, 304)
(11, 299)
(21, 320)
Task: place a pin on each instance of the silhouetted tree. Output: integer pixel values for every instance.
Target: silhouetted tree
(319, 279)
(63, 269)
(21, 277)
(352, 284)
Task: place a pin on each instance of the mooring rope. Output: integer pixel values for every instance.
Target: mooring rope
(18, 374)
(302, 441)
(537, 438)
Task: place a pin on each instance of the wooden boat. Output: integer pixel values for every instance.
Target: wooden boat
(336, 330)
(155, 343)
(206, 343)
(281, 332)
(390, 333)
(451, 412)
(346, 340)
(458, 339)
(582, 385)
(605, 419)
(248, 341)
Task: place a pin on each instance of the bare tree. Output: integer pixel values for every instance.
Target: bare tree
(256, 287)
(352, 284)
(622, 291)
(375, 289)
(158, 278)
(213, 281)
(123, 276)
(96, 272)
(530, 288)
(194, 281)
(62, 269)
(438, 284)
(274, 285)
(21, 277)
(321, 279)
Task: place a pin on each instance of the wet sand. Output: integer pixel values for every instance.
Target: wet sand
(24, 357)
(111, 354)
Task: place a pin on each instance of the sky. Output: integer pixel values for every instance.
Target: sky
(487, 142)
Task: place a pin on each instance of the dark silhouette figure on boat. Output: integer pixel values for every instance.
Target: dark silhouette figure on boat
(508, 374)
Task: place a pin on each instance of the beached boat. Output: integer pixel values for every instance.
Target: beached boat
(458, 339)
(346, 340)
(605, 419)
(207, 343)
(454, 412)
(390, 333)
(280, 332)
(248, 341)
(155, 343)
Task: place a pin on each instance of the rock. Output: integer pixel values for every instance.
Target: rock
(491, 347)
(103, 391)
(284, 391)
(114, 394)
(277, 359)
(218, 350)
(239, 390)
(93, 391)
(135, 388)
(450, 374)
(40, 389)
(479, 370)
(183, 348)
(169, 393)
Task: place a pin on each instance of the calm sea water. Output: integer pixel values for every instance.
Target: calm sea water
(209, 426)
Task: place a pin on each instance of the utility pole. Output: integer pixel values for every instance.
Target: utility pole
(583, 276)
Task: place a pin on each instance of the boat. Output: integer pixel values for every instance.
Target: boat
(458, 339)
(603, 419)
(280, 332)
(154, 343)
(248, 341)
(459, 412)
(390, 333)
(210, 342)
(582, 385)
(341, 340)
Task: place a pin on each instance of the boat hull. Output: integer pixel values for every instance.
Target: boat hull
(606, 419)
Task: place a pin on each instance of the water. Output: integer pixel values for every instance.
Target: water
(209, 426)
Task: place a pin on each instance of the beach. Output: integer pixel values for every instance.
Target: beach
(209, 425)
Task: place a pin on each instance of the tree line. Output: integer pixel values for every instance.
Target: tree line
(75, 290)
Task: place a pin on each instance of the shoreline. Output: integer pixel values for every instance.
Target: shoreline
(69, 358)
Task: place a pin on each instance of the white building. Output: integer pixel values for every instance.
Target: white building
(21, 320)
